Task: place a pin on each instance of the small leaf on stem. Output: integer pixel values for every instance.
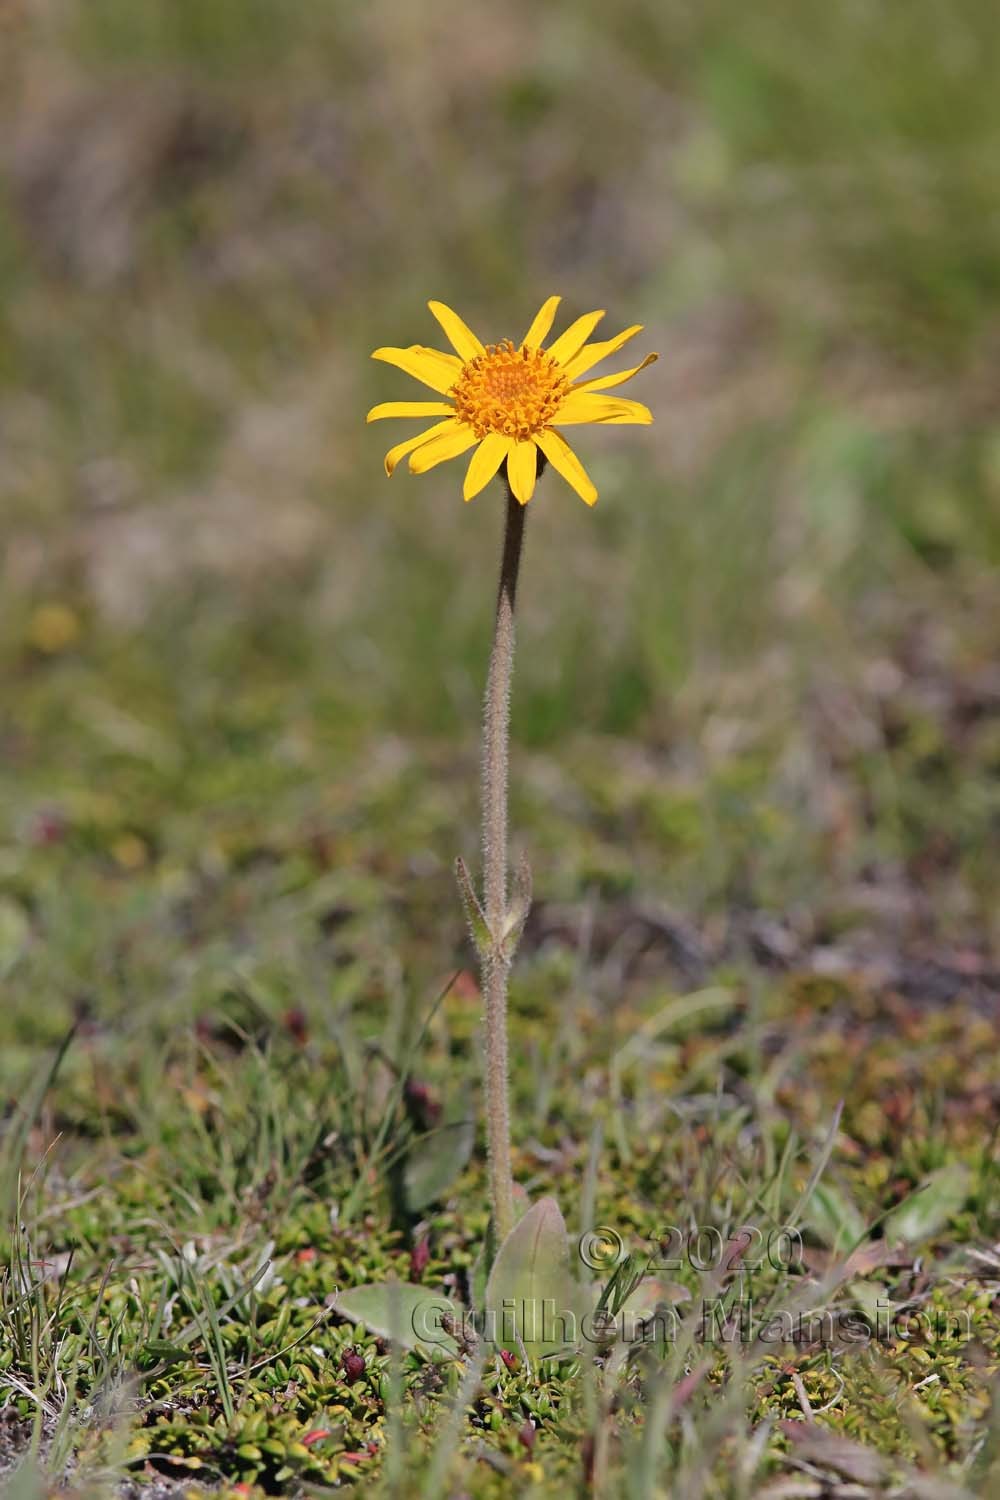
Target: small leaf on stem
(474, 914)
(517, 912)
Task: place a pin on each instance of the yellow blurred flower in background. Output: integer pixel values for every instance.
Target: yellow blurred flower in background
(507, 400)
(53, 628)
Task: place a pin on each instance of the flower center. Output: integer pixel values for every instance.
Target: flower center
(515, 392)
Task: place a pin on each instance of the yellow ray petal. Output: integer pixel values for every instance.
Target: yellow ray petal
(605, 382)
(573, 340)
(402, 449)
(522, 466)
(584, 406)
(484, 463)
(438, 370)
(565, 462)
(461, 337)
(449, 445)
(592, 354)
(409, 409)
(539, 330)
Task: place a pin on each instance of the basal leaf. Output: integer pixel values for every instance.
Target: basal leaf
(931, 1206)
(834, 1218)
(532, 1300)
(408, 1314)
(483, 1263)
(434, 1161)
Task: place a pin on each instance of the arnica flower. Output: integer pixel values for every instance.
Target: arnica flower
(509, 400)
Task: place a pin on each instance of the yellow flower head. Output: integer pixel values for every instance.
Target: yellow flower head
(509, 399)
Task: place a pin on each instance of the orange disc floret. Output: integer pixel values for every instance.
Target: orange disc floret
(512, 391)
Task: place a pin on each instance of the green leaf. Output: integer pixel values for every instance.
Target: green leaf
(931, 1206)
(163, 1349)
(653, 1293)
(434, 1161)
(624, 1279)
(646, 1316)
(870, 1297)
(532, 1300)
(475, 916)
(14, 935)
(517, 912)
(410, 1315)
(483, 1263)
(834, 1218)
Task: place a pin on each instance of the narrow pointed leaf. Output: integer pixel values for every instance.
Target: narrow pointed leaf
(474, 915)
(520, 906)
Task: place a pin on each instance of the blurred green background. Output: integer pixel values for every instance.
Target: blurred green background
(761, 675)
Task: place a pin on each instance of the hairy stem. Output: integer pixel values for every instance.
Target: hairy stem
(496, 727)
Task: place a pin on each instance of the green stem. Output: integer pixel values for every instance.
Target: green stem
(495, 964)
